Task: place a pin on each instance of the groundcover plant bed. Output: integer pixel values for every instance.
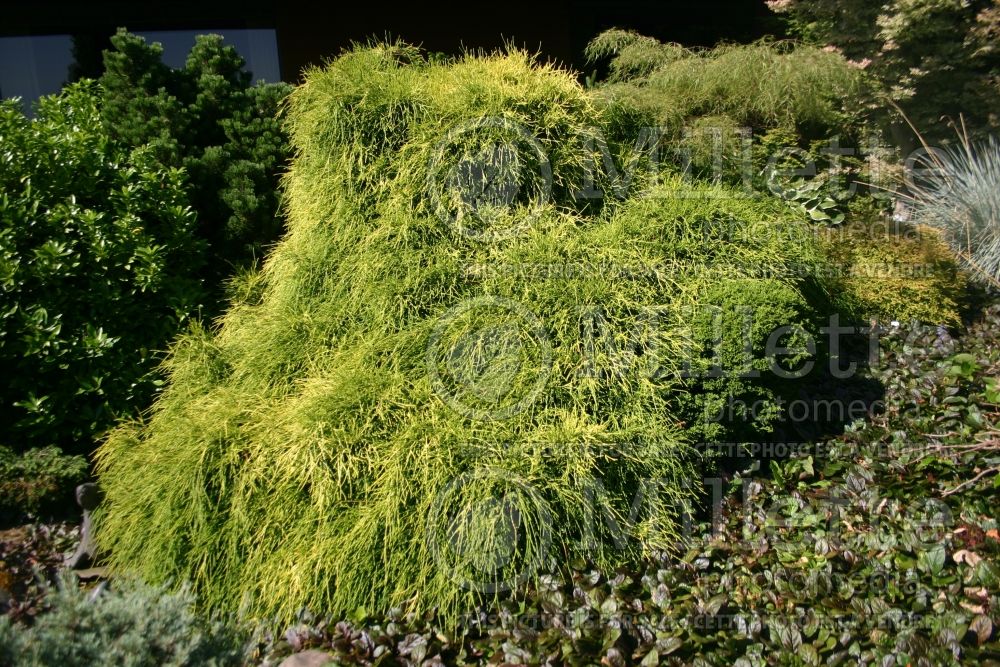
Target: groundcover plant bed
(455, 370)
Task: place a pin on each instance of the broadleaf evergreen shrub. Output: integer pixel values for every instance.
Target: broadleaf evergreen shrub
(98, 265)
(450, 372)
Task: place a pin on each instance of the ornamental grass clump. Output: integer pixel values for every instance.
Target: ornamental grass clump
(450, 374)
(958, 193)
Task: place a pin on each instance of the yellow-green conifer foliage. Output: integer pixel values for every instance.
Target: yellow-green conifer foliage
(442, 381)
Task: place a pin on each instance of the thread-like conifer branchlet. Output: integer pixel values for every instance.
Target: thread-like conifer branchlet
(336, 443)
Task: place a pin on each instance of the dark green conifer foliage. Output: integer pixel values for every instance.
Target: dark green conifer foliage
(207, 118)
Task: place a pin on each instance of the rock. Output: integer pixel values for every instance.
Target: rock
(310, 658)
(88, 496)
(901, 211)
(92, 574)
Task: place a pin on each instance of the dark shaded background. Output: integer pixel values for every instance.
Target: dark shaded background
(308, 32)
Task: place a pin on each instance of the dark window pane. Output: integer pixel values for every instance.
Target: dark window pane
(33, 66)
(258, 47)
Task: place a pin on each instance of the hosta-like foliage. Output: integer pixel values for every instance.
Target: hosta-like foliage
(97, 250)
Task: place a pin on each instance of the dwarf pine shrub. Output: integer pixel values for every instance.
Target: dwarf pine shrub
(131, 624)
(451, 374)
(207, 118)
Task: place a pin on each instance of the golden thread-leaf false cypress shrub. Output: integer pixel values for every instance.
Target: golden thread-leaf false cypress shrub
(425, 402)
